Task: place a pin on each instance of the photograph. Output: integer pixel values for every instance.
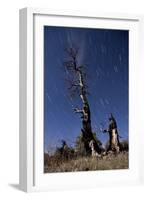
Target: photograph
(86, 99)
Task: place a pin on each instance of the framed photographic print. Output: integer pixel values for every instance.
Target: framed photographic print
(80, 89)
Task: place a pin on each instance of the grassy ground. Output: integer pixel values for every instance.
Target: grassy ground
(108, 162)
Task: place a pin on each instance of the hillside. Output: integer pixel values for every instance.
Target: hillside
(108, 162)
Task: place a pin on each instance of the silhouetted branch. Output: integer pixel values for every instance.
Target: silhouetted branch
(77, 110)
(72, 52)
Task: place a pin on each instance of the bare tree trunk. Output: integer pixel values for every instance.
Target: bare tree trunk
(79, 86)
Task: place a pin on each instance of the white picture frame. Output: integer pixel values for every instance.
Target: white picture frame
(31, 175)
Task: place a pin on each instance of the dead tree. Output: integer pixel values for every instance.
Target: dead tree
(77, 85)
(114, 144)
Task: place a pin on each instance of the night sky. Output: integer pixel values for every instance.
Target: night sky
(105, 55)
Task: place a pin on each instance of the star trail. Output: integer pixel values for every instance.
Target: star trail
(104, 53)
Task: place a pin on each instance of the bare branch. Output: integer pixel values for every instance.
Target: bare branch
(77, 110)
(72, 52)
(69, 64)
(73, 86)
(77, 75)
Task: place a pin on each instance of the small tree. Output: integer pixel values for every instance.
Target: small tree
(79, 146)
(124, 146)
(64, 152)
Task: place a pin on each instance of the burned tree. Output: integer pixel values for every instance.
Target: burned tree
(77, 85)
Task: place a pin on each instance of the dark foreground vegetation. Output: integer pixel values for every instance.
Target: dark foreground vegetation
(72, 160)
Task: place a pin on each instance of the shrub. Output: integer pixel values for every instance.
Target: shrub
(124, 145)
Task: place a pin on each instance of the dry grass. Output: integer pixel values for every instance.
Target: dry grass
(108, 162)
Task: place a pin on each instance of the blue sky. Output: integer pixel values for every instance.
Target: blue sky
(104, 52)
